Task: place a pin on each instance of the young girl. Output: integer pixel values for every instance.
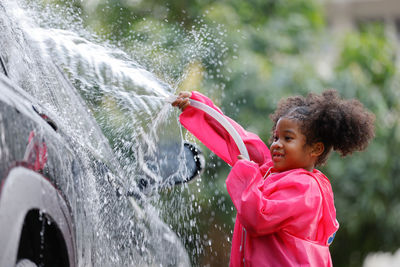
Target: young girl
(285, 210)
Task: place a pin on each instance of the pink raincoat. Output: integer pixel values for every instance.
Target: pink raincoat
(283, 219)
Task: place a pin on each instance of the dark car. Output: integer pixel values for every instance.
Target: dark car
(63, 200)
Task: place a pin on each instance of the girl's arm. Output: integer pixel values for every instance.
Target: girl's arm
(216, 138)
(289, 203)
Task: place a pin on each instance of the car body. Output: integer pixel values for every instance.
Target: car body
(63, 201)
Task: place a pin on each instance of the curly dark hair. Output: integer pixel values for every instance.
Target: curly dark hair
(340, 124)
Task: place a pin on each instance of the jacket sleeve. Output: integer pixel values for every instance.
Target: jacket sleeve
(291, 203)
(214, 136)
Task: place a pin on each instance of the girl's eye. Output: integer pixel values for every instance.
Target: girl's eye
(288, 138)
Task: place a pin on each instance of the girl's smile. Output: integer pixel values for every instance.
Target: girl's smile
(289, 149)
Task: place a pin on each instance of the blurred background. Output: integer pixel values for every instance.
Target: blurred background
(246, 56)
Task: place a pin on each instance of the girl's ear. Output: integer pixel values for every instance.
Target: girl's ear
(317, 149)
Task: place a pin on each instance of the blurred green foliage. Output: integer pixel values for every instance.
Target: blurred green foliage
(247, 55)
(366, 186)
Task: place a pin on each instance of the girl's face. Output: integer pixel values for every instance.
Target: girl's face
(289, 149)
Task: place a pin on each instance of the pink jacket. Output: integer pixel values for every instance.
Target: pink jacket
(283, 219)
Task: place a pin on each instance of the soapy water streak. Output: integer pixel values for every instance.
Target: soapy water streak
(127, 101)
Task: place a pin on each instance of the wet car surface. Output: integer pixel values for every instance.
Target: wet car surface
(62, 199)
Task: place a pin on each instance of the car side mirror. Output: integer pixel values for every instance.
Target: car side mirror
(173, 164)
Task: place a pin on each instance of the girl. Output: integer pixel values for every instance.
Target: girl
(285, 210)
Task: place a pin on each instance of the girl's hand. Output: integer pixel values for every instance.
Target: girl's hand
(182, 100)
(241, 157)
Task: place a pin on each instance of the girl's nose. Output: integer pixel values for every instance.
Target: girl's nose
(276, 144)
